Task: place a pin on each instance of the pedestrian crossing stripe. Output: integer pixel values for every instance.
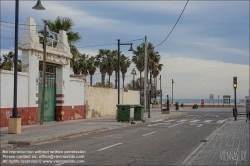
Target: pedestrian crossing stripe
(158, 120)
(186, 121)
(169, 120)
(194, 121)
(220, 121)
(183, 120)
(208, 121)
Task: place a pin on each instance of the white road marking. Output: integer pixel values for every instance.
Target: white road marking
(154, 124)
(158, 120)
(183, 120)
(109, 146)
(193, 115)
(220, 121)
(194, 121)
(148, 133)
(157, 124)
(200, 125)
(59, 164)
(164, 123)
(208, 121)
(193, 124)
(175, 125)
(169, 120)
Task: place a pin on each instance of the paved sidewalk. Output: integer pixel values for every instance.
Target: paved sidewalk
(229, 145)
(52, 131)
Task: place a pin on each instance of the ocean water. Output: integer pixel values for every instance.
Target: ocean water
(206, 101)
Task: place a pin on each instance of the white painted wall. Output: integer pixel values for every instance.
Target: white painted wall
(7, 89)
(74, 92)
(103, 101)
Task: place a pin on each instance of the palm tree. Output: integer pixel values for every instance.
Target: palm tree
(66, 24)
(125, 63)
(139, 58)
(137, 86)
(83, 60)
(101, 62)
(110, 63)
(1, 64)
(91, 66)
(8, 62)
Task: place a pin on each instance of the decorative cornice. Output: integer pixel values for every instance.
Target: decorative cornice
(37, 47)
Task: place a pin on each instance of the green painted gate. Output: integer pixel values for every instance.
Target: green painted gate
(50, 96)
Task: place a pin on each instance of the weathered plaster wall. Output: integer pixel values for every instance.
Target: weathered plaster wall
(28, 114)
(103, 101)
(70, 104)
(69, 92)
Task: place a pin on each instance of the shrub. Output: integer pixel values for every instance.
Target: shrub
(182, 105)
(195, 106)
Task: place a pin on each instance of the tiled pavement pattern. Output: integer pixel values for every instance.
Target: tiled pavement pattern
(228, 146)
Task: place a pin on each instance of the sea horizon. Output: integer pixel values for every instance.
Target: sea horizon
(206, 101)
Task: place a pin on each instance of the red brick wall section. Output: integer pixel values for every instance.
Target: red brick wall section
(29, 115)
(70, 113)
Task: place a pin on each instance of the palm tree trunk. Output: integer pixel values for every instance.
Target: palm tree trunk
(123, 78)
(103, 78)
(123, 82)
(116, 79)
(109, 79)
(90, 80)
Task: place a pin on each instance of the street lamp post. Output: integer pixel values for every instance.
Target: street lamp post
(160, 93)
(14, 111)
(149, 89)
(118, 70)
(218, 100)
(134, 73)
(172, 90)
(14, 121)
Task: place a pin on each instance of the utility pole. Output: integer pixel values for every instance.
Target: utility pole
(160, 92)
(145, 74)
(44, 72)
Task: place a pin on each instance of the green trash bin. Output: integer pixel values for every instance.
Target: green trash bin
(125, 112)
(139, 112)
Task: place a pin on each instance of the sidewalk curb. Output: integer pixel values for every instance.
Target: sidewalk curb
(55, 138)
(189, 160)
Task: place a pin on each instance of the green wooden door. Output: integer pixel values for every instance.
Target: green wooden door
(50, 97)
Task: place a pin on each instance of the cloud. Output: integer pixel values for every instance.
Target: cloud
(197, 78)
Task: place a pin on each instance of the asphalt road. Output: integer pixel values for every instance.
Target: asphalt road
(163, 142)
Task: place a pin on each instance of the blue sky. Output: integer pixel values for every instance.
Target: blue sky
(208, 47)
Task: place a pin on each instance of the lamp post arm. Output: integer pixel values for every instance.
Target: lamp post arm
(126, 44)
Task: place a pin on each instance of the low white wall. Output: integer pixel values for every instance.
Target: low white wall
(103, 101)
(7, 89)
